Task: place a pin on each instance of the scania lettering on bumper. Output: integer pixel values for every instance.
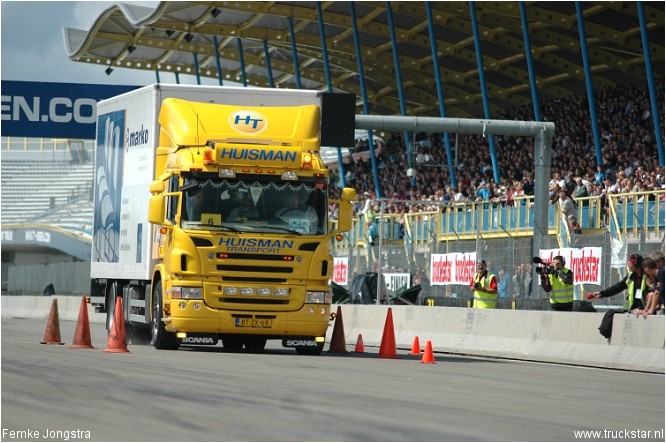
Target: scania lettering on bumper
(299, 342)
(200, 339)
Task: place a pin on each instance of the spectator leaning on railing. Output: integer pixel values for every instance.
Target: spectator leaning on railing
(654, 299)
(635, 283)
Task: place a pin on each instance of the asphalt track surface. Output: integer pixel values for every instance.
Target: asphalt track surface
(209, 394)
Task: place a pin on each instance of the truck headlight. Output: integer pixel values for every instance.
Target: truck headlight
(281, 292)
(230, 290)
(318, 297)
(184, 292)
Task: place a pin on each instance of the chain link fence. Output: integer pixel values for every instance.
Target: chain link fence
(402, 263)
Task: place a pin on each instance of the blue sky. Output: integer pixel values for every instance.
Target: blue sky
(33, 47)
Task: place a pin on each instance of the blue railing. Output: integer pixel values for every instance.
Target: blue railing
(624, 213)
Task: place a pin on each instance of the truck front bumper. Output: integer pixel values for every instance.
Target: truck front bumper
(195, 316)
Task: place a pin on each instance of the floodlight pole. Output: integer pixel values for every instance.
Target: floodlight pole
(541, 131)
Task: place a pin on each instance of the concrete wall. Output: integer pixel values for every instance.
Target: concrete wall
(558, 337)
(28, 306)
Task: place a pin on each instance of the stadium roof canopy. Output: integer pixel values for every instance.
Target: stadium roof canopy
(250, 33)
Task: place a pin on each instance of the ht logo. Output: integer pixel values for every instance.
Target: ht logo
(248, 119)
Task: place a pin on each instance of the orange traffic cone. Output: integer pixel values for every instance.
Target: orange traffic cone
(428, 357)
(82, 333)
(387, 349)
(116, 342)
(416, 347)
(359, 344)
(338, 337)
(52, 333)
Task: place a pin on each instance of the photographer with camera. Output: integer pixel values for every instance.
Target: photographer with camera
(558, 281)
(484, 286)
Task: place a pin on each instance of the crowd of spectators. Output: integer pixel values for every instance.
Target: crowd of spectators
(628, 148)
(630, 163)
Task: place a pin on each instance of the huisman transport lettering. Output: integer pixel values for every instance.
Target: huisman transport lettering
(211, 216)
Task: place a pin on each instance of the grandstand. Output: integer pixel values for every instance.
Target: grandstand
(46, 206)
(437, 206)
(56, 193)
(50, 188)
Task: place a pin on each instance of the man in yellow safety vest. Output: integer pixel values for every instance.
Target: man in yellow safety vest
(484, 286)
(558, 281)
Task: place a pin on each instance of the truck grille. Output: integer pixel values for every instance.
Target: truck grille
(255, 269)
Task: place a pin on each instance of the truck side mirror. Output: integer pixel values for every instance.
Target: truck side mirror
(346, 209)
(156, 203)
(156, 187)
(156, 209)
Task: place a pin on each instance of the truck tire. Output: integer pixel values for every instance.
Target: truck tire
(160, 337)
(310, 351)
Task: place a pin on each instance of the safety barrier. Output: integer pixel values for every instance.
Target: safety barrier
(29, 306)
(557, 337)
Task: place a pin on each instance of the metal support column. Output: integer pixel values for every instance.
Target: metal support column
(294, 53)
(650, 80)
(440, 93)
(327, 67)
(217, 60)
(269, 69)
(530, 63)
(364, 96)
(542, 162)
(196, 67)
(588, 83)
(241, 59)
(484, 90)
(398, 80)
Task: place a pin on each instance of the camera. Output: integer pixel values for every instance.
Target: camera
(545, 268)
(477, 285)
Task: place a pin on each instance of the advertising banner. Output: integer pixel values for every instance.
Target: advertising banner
(340, 270)
(456, 268)
(395, 281)
(584, 262)
(53, 110)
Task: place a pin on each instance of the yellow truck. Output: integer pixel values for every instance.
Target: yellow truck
(230, 238)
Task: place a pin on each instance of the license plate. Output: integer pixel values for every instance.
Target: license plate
(254, 322)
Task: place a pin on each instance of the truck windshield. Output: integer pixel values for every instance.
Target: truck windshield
(250, 205)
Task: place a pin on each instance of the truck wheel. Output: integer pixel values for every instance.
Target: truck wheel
(160, 338)
(255, 343)
(311, 351)
(232, 341)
